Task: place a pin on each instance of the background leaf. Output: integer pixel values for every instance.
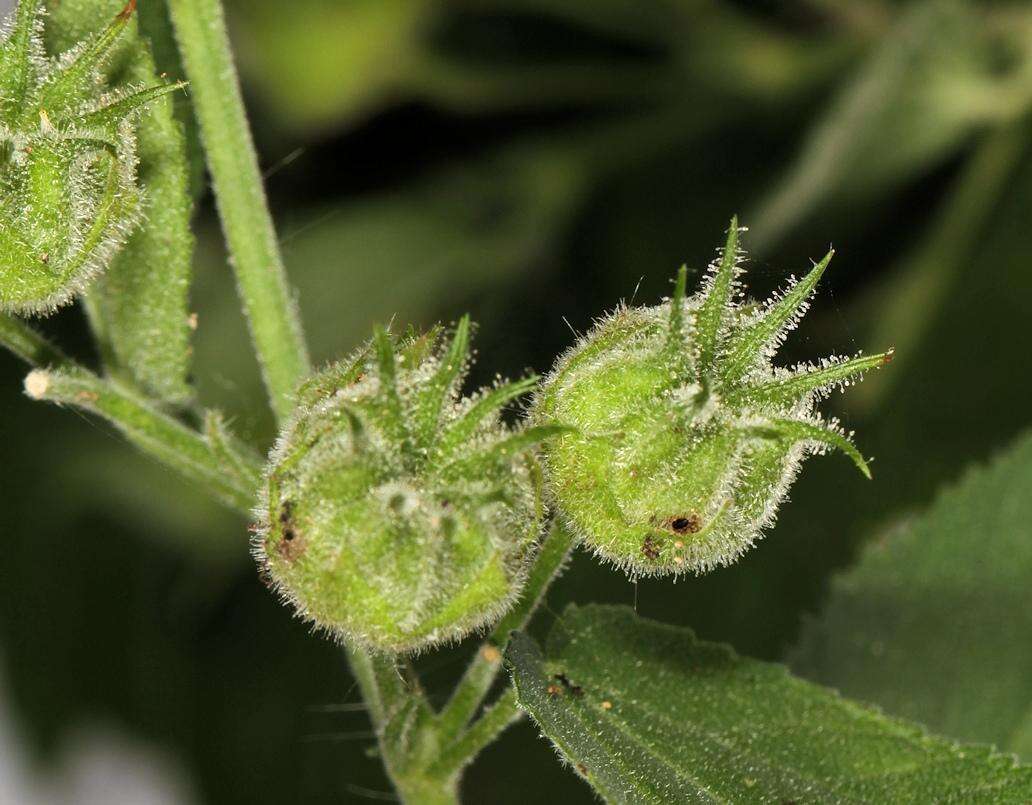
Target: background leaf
(648, 713)
(934, 623)
(930, 83)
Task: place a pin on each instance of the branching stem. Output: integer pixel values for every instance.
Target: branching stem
(483, 669)
(424, 752)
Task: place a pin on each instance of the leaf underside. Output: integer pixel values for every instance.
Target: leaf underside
(647, 713)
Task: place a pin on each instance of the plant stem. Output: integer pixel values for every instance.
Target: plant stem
(476, 683)
(24, 341)
(400, 717)
(261, 280)
(154, 432)
(383, 688)
(456, 754)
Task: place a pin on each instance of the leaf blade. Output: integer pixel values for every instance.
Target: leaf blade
(648, 713)
(955, 576)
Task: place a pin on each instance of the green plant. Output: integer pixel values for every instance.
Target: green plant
(396, 513)
(686, 393)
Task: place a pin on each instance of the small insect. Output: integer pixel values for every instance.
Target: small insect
(573, 690)
(688, 524)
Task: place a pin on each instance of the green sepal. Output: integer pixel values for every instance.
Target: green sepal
(794, 431)
(794, 386)
(711, 317)
(749, 344)
(18, 57)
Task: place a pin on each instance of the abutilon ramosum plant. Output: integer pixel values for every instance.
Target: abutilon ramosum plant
(68, 194)
(396, 511)
(686, 437)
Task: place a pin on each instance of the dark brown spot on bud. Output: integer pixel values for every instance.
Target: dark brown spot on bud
(650, 549)
(293, 544)
(684, 523)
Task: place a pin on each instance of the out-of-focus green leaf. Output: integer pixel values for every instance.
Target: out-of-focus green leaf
(500, 55)
(645, 712)
(904, 308)
(354, 51)
(932, 81)
(139, 306)
(934, 623)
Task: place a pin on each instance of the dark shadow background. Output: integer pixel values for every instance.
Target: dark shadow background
(532, 163)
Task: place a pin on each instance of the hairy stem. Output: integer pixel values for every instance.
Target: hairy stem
(261, 280)
(154, 432)
(382, 687)
(24, 341)
(496, 718)
(483, 668)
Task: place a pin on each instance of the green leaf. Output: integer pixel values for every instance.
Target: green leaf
(927, 86)
(648, 713)
(933, 623)
(139, 308)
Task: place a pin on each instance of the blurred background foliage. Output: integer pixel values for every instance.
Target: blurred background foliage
(533, 163)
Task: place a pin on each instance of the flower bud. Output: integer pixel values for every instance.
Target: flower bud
(67, 163)
(686, 438)
(398, 514)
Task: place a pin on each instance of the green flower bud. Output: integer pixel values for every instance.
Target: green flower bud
(398, 514)
(68, 195)
(686, 437)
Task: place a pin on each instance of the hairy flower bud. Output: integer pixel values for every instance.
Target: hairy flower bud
(687, 438)
(68, 194)
(398, 514)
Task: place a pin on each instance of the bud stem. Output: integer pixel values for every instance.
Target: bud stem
(154, 432)
(24, 341)
(482, 732)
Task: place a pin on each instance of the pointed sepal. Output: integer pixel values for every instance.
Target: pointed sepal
(78, 71)
(754, 342)
(795, 387)
(113, 112)
(711, 318)
(19, 54)
(795, 431)
(441, 387)
(463, 429)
